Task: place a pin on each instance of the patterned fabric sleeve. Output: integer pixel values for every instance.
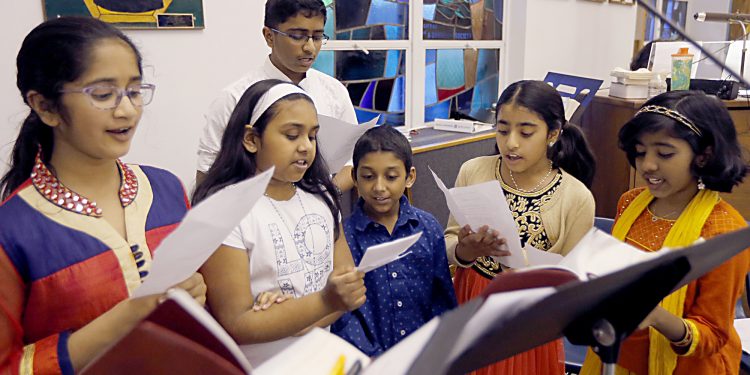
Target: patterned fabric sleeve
(46, 356)
(718, 290)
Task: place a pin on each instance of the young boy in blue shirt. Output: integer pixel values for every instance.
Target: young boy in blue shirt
(407, 293)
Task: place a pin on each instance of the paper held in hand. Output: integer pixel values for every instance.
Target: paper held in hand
(485, 204)
(598, 254)
(200, 233)
(336, 140)
(384, 253)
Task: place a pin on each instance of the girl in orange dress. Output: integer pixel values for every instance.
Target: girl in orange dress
(684, 145)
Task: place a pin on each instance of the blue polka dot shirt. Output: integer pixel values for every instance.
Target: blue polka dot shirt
(404, 294)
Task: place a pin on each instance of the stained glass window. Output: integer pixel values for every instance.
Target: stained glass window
(461, 83)
(462, 19)
(461, 40)
(375, 81)
(674, 10)
(367, 19)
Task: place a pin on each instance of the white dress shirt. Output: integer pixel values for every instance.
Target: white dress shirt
(328, 94)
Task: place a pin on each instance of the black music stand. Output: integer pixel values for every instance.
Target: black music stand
(600, 313)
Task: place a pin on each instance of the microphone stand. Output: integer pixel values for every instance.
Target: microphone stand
(650, 8)
(742, 24)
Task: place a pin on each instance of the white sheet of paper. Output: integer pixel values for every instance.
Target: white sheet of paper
(484, 204)
(498, 306)
(743, 330)
(734, 60)
(200, 233)
(315, 353)
(598, 253)
(398, 359)
(384, 253)
(536, 257)
(570, 105)
(336, 140)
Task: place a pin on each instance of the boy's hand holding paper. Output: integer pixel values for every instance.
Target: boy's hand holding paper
(384, 253)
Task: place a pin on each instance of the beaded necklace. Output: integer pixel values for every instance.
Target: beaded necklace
(278, 213)
(538, 185)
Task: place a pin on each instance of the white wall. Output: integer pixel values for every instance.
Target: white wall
(707, 31)
(575, 37)
(189, 68)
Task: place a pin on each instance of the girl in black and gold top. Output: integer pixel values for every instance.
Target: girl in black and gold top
(544, 167)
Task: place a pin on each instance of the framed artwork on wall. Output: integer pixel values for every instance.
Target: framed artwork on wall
(132, 14)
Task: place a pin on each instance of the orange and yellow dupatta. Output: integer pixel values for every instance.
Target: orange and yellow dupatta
(662, 360)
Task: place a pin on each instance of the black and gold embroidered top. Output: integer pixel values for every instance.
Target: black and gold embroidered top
(526, 210)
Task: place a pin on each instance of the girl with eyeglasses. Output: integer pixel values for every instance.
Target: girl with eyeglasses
(79, 227)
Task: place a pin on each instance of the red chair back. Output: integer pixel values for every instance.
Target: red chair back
(509, 281)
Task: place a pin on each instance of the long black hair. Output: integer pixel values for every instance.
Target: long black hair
(54, 53)
(234, 163)
(571, 152)
(724, 166)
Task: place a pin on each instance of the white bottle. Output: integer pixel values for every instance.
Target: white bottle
(657, 85)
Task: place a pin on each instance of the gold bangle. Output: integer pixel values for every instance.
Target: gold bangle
(687, 339)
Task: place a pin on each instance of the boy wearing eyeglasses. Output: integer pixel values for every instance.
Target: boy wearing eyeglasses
(294, 31)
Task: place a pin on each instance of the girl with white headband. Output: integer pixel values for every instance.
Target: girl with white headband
(684, 145)
(291, 241)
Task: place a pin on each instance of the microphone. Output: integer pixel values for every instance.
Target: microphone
(721, 17)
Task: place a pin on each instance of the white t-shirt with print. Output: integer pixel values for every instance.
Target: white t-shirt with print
(290, 247)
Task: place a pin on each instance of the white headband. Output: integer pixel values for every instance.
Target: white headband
(272, 96)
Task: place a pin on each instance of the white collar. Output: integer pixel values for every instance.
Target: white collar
(274, 73)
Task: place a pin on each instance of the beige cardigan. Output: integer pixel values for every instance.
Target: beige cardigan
(565, 220)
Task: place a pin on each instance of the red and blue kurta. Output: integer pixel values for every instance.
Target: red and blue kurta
(62, 265)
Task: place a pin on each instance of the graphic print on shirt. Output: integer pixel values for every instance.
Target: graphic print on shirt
(313, 256)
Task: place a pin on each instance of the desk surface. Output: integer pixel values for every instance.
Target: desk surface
(428, 139)
(604, 98)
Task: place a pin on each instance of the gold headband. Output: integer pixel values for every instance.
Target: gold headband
(671, 114)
